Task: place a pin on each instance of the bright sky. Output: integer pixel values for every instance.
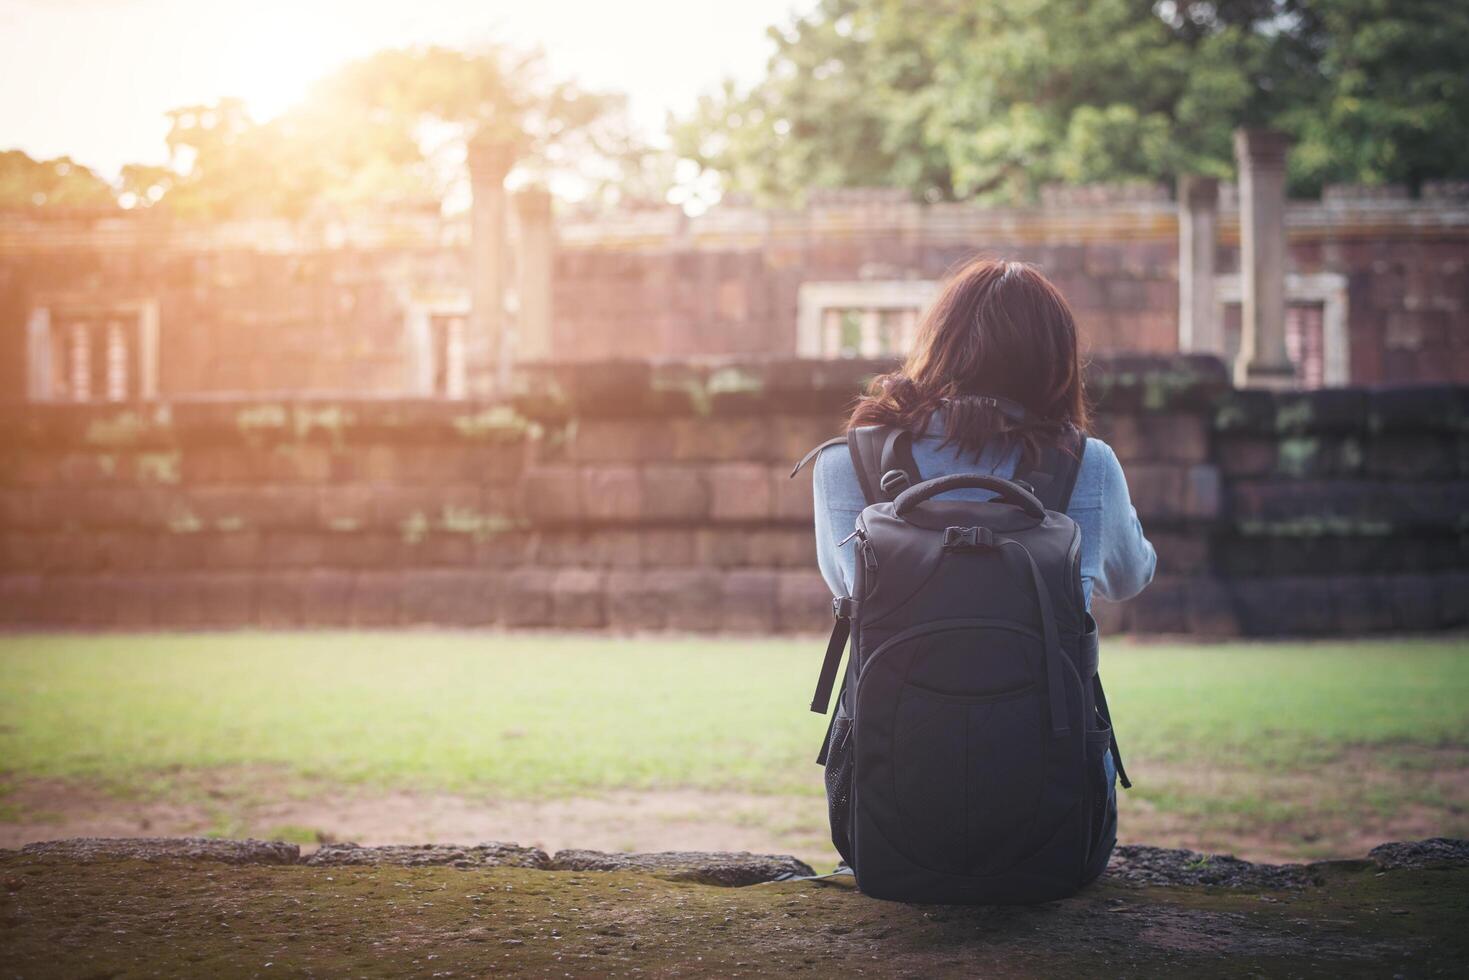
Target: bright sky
(92, 78)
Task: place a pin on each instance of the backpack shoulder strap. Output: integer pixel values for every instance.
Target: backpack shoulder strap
(1053, 474)
(806, 459)
(882, 455)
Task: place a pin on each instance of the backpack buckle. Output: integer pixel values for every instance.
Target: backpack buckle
(843, 607)
(968, 538)
(894, 482)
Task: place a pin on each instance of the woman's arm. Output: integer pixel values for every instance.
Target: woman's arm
(838, 503)
(1127, 558)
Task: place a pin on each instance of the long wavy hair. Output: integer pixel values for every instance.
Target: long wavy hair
(1000, 329)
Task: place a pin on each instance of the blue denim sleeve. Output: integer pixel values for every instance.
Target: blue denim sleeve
(838, 503)
(1126, 557)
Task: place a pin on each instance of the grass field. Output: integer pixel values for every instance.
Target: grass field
(1278, 749)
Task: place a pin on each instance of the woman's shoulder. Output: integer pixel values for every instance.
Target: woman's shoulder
(1098, 466)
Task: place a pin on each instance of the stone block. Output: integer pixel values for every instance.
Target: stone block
(295, 549)
(618, 440)
(1360, 604)
(722, 547)
(280, 599)
(1453, 600)
(228, 598)
(1112, 617)
(675, 494)
(1284, 605)
(793, 500)
(551, 494)
(611, 494)
(637, 601)
(447, 597)
(1163, 607)
(721, 439)
(1158, 490)
(375, 597)
(748, 601)
(1180, 552)
(779, 547)
(1414, 600)
(1203, 492)
(669, 547)
(326, 597)
(803, 602)
(1412, 456)
(740, 492)
(526, 597)
(578, 599)
(1246, 455)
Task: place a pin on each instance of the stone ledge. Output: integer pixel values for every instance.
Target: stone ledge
(1132, 864)
(83, 850)
(1435, 852)
(723, 868)
(1161, 913)
(490, 854)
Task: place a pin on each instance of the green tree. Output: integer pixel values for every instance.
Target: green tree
(62, 182)
(389, 129)
(990, 100)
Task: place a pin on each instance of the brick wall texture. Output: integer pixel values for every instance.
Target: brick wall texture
(632, 496)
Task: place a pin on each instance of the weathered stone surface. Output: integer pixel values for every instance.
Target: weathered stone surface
(724, 868)
(491, 854)
(86, 849)
(1138, 864)
(384, 919)
(1435, 852)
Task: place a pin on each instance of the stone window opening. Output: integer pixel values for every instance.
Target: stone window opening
(869, 319)
(92, 354)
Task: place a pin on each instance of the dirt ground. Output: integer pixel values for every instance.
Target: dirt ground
(1306, 816)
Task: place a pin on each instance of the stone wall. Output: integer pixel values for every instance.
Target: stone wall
(634, 496)
(269, 308)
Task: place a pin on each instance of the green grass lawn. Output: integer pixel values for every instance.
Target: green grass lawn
(534, 716)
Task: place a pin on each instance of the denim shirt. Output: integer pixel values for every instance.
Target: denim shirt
(1117, 561)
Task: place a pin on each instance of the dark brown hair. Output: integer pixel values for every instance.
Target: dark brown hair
(999, 329)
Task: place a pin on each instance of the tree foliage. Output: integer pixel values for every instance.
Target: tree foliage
(990, 100)
(388, 130)
(29, 183)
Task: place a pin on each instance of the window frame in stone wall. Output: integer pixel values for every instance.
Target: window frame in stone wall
(50, 327)
(420, 320)
(1328, 290)
(871, 301)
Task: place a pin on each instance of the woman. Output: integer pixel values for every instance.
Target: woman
(1002, 330)
(995, 380)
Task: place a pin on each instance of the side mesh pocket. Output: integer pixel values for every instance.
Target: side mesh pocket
(839, 783)
(1102, 811)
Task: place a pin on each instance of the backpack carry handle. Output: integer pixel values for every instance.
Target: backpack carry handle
(1009, 492)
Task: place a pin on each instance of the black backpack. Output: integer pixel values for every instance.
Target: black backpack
(964, 760)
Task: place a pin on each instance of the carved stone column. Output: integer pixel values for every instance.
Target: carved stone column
(1263, 362)
(489, 162)
(1199, 329)
(533, 336)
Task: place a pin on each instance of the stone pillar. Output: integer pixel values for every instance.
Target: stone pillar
(489, 162)
(1199, 329)
(1260, 157)
(533, 338)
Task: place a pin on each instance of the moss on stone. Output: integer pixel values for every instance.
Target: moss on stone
(161, 467)
(135, 918)
(127, 428)
(495, 422)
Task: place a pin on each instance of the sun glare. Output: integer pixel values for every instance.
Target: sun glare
(270, 57)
